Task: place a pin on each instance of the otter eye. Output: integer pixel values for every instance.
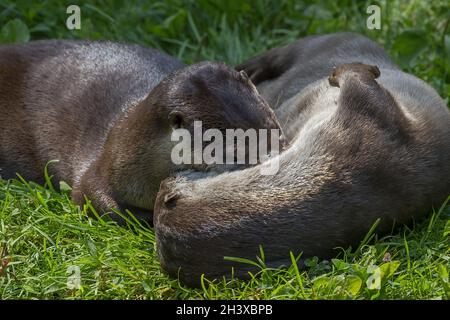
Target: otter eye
(176, 120)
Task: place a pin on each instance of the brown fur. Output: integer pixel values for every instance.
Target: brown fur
(106, 111)
(368, 142)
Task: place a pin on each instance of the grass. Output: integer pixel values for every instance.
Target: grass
(44, 238)
(46, 235)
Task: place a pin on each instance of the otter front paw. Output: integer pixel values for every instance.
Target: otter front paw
(361, 70)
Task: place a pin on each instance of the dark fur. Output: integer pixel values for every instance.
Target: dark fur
(106, 112)
(368, 141)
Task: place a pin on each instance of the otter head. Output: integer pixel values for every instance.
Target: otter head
(204, 96)
(142, 144)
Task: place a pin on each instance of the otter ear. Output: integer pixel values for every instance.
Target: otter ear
(177, 119)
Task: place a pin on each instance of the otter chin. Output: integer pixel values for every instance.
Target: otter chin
(107, 111)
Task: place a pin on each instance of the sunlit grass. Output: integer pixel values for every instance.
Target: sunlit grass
(43, 234)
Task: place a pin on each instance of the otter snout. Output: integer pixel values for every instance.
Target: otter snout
(188, 244)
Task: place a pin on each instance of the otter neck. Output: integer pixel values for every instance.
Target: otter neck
(129, 161)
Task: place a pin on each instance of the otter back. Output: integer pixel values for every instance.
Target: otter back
(58, 100)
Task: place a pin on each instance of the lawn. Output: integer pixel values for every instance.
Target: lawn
(46, 241)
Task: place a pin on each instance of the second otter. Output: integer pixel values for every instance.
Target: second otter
(106, 112)
(368, 142)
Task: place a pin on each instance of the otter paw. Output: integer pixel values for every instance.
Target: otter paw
(358, 68)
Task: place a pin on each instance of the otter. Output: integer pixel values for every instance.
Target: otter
(106, 111)
(368, 143)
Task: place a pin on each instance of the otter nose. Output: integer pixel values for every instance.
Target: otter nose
(166, 198)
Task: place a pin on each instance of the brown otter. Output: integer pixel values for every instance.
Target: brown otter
(368, 141)
(106, 112)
